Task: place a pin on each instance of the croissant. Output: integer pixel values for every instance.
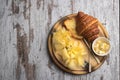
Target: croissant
(87, 26)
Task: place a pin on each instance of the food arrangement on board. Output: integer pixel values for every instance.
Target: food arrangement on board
(79, 43)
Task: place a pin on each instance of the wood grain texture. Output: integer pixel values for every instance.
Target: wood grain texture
(24, 28)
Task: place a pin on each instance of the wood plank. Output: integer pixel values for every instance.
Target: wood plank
(24, 28)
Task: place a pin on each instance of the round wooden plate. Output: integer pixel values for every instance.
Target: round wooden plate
(103, 32)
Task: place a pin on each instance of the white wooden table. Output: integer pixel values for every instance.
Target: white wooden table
(24, 28)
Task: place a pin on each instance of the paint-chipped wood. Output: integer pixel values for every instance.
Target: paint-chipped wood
(23, 51)
(101, 78)
(15, 7)
(24, 28)
(40, 3)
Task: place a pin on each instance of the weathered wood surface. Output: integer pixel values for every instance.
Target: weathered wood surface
(24, 28)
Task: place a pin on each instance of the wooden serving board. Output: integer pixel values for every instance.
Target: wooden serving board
(95, 65)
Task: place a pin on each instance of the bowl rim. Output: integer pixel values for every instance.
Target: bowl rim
(106, 39)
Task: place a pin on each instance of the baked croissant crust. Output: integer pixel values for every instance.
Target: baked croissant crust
(87, 26)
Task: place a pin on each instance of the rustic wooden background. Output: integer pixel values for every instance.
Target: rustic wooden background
(24, 28)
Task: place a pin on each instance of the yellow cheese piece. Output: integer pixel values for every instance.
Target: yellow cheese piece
(80, 61)
(70, 50)
(72, 65)
(64, 55)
